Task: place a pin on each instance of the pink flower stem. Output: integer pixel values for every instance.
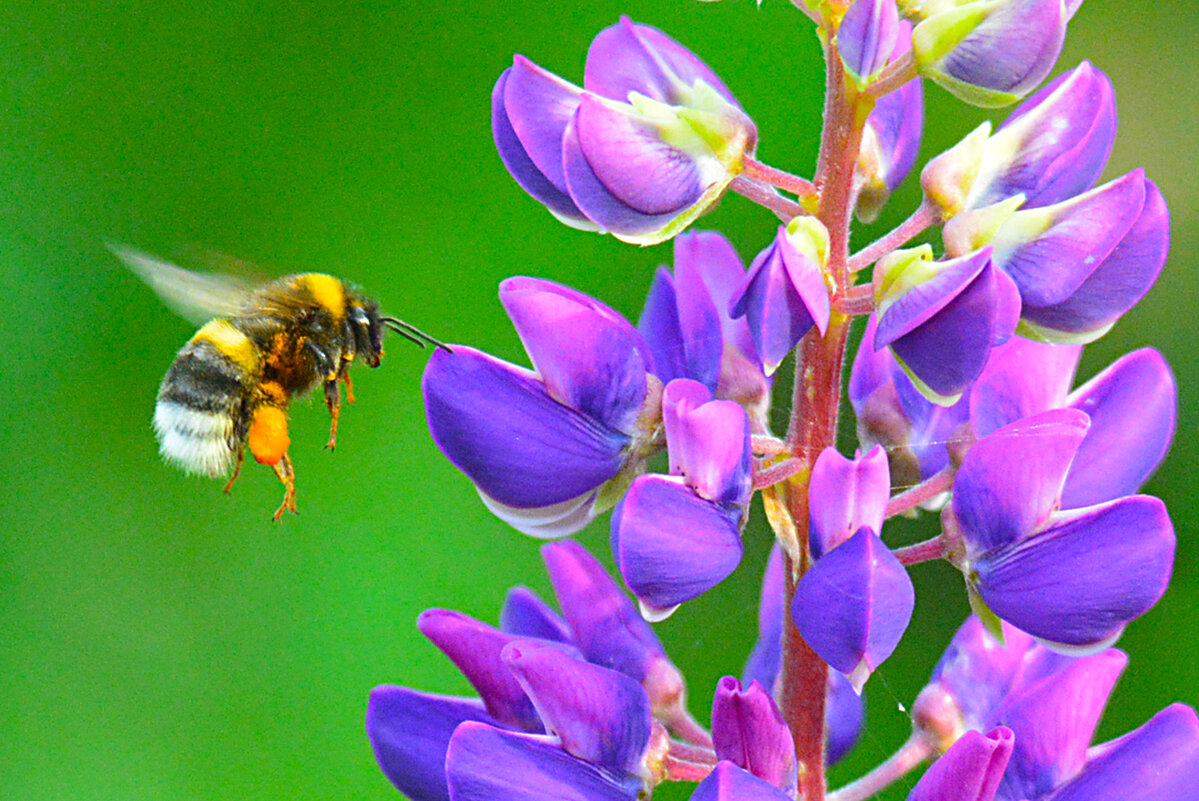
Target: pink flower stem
(855, 302)
(895, 75)
(922, 492)
(815, 405)
(784, 208)
(778, 178)
(692, 753)
(680, 770)
(775, 473)
(767, 445)
(927, 551)
(898, 765)
(921, 219)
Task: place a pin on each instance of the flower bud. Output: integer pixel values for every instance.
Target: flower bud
(991, 53)
(948, 178)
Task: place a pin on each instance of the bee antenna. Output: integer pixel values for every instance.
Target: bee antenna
(412, 333)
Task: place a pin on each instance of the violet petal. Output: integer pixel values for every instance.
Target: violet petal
(495, 422)
(709, 442)
(672, 545)
(1132, 405)
(1160, 760)
(853, 606)
(526, 615)
(605, 624)
(599, 715)
(867, 36)
(588, 356)
(487, 764)
(474, 648)
(968, 771)
(539, 105)
(409, 732)
(845, 495)
(1009, 482)
(1022, 378)
(727, 782)
(1086, 576)
(748, 730)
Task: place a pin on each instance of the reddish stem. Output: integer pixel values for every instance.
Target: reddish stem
(921, 219)
(680, 770)
(782, 471)
(784, 208)
(692, 753)
(898, 765)
(857, 301)
(927, 551)
(922, 492)
(778, 178)
(815, 404)
(895, 75)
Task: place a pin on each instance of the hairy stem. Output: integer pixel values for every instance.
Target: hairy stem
(898, 765)
(784, 208)
(922, 492)
(815, 405)
(778, 178)
(921, 219)
(680, 770)
(926, 551)
(775, 473)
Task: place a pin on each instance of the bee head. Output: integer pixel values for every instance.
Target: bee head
(368, 328)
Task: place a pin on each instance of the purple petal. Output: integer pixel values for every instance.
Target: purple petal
(924, 301)
(599, 715)
(1160, 760)
(708, 441)
(784, 295)
(1121, 280)
(1022, 378)
(539, 105)
(495, 422)
(1050, 266)
(487, 764)
(846, 495)
(599, 203)
(474, 648)
(853, 606)
(1011, 51)
(710, 256)
(868, 35)
(629, 157)
(589, 357)
(1081, 580)
(766, 659)
(409, 732)
(516, 158)
(606, 627)
(1132, 406)
(1010, 481)
(526, 615)
(1054, 721)
(730, 783)
(897, 122)
(699, 316)
(659, 326)
(637, 58)
(946, 343)
(748, 730)
(844, 712)
(977, 673)
(969, 771)
(671, 545)
(1055, 145)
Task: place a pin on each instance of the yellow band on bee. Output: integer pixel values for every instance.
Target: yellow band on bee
(326, 290)
(232, 343)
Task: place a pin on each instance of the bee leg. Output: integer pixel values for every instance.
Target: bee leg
(287, 475)
(333, 404)
(345, 376)
(241, 454)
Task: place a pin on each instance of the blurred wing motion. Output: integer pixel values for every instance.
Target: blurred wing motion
(197, 297)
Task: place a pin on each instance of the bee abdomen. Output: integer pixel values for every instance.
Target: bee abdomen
(200, 417)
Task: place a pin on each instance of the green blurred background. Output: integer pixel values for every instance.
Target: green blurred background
(159, 640)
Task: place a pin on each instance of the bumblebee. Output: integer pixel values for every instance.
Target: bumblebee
(230, 385)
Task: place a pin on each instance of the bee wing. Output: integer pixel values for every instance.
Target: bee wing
(197, 297)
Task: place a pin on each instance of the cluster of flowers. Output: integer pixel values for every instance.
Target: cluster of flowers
(962, 390)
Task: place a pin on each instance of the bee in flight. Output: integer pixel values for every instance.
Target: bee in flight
(230, 385)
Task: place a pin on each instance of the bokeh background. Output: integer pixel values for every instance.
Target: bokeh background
(159, 640)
